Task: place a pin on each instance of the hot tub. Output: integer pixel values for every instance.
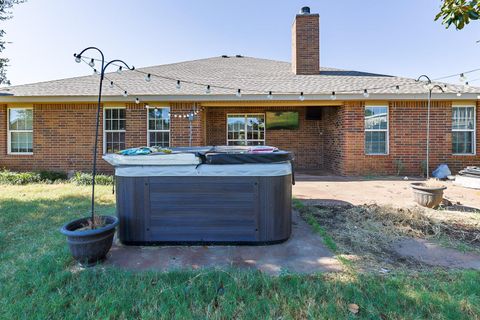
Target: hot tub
(204, 195)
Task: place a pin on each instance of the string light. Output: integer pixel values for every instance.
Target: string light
(95, 71)
(301, 97)
(137, 101)
(125, 93)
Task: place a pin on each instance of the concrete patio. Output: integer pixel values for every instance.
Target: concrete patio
(390, 191)
(304, 252)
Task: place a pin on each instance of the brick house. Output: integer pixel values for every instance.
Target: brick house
(349, 122)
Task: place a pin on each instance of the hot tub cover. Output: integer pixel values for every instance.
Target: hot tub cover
(159, 159)
(208, 170)
(220, 155)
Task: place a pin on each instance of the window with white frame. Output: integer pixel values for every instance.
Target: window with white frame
(159, 127)
(114, 128)
(20, 130)
(376, 130)
(246, 129)
(463, 130)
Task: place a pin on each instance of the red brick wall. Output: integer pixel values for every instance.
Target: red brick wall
(306, 142)
(180, 127)
(407, 133)
(63, 135)
(333, 139)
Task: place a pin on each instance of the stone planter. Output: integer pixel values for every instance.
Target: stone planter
(427, 196)
(89, 247)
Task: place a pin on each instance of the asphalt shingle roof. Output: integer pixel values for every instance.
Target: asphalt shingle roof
(252, 75)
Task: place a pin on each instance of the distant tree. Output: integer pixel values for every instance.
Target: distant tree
(5, 14)
(458, 12)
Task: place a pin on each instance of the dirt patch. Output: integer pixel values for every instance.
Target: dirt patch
(369, 232)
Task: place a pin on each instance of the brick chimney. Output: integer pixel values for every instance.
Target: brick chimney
(305, 43)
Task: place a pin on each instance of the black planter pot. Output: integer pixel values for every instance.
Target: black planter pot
(89, 246)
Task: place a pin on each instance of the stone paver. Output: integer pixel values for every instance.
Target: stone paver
(434, 255)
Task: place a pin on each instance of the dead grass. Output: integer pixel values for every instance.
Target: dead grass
(367, 232)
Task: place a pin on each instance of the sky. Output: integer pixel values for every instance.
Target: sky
(390, 37)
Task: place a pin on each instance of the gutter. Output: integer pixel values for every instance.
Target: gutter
(6, 98)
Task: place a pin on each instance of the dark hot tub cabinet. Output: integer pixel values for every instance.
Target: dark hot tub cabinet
(204, 195)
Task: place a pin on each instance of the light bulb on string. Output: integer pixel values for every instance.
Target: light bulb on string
(119, 70)
(463, 78)
(269, 96)
(111, 84)
(397, 89)
(301, 97)
(78, 58)
(365, 93)
(148, 77)
(207, 90)
(467, 85)
(239, 93)
(95, 71)
(459, 93)
(91, 63)
(125, 93)
(333, 96)
(179, 85)
(137, 101)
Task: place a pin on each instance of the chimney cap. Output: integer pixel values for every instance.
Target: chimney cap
(305, 10)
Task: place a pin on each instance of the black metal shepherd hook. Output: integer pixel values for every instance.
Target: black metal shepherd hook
(430, 87)
(78, 58)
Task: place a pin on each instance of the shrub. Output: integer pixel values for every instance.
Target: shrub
(399, 166)
(85, 179)
(52, 176)
(19, 178)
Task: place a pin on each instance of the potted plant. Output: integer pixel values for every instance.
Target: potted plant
(429, 193)
(90, 239)
(89, 242)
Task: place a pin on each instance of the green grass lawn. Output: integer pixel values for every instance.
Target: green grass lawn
(38, 279)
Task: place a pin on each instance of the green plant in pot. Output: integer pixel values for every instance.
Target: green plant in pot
(90, 238)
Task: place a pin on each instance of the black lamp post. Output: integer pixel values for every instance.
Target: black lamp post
(430, 88)
(78, 58)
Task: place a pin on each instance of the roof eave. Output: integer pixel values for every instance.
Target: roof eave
(230, 97)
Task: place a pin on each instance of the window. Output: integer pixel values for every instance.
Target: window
(463, 130)
(376, 130)
(245, 129)
(114, 128)
(20, 130)
(159, 127)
